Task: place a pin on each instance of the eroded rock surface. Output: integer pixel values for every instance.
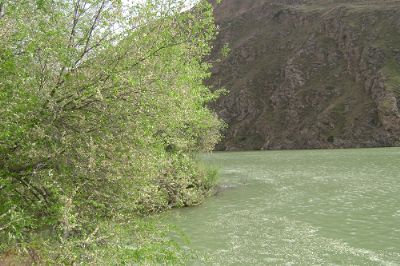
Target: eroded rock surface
(309, 74)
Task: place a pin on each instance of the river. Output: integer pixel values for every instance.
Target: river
(330, 207)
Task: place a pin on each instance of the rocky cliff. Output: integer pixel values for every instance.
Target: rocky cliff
(308, 74)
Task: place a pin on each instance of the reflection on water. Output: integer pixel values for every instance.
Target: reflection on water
(336, 207)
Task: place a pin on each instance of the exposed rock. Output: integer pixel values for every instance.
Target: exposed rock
(309, 73)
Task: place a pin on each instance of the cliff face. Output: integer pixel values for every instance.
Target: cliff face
(309, 74)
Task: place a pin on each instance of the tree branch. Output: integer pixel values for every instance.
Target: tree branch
(90, 33)
(2, 10)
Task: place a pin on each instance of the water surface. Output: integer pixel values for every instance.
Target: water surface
(331, 207)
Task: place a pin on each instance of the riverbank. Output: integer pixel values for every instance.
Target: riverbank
(144, 241)
(141, 239)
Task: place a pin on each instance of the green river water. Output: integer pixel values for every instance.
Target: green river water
(318, 207)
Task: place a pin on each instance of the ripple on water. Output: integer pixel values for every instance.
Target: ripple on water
(280, 240)
(300, 208)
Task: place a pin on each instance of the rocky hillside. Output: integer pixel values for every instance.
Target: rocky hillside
(309, 74)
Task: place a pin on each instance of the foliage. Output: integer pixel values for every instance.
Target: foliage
(102, 108)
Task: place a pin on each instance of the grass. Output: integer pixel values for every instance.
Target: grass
(392, 74)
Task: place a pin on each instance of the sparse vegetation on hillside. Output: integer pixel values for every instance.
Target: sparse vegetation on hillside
(309, 73)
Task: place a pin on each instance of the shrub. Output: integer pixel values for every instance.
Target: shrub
(103, 108)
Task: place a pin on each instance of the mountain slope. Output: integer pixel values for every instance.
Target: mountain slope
(309, 74)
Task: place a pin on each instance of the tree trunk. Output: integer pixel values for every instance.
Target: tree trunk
(2, 9)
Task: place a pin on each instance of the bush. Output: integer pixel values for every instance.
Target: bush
(103, 109)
